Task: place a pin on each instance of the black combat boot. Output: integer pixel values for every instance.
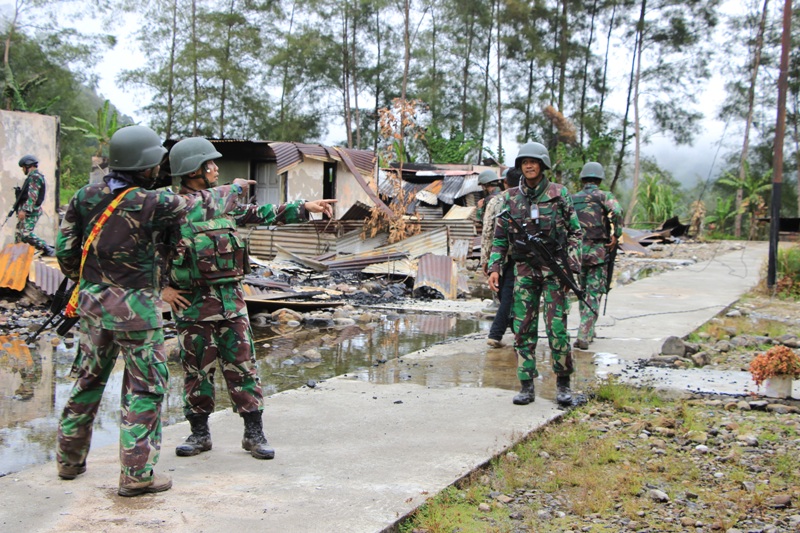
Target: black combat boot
(254, 440)
(563, 391)
(200, 439)
(526, 394)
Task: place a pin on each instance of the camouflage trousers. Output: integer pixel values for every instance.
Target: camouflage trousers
(24, 232)
(528, 291)
(593, 283)
(231, 342)
(144, 384)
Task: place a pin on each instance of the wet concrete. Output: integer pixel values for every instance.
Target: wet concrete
(357, 454)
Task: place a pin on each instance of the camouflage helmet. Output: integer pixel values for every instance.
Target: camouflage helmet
(533, 151)
(594, 170)
(28, 161)
(189, 154)
(135, 148)
(488, 176)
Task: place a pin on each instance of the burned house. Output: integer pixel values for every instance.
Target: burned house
(287, 171)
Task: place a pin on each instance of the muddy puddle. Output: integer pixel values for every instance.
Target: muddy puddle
(35, 382)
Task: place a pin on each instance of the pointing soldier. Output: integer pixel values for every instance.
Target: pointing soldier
(106, 243)
(599, 213)
(542, 210)
(208, 304)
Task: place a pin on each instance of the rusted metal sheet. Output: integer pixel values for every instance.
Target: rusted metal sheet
(430, 194)
(15, 265)
(46, 274)
(439, 273)
(285, 255)
(358, 211)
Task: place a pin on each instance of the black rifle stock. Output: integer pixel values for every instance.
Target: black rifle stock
(21, 195)
(612, 257)
(60, 300)
(540, 247)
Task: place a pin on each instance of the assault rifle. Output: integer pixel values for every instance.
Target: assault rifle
(21, 195)
(541, 248)
(60, 300)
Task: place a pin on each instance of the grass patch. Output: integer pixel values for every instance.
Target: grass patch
(596, 466)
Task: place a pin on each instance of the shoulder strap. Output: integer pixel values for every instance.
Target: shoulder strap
(111, 205)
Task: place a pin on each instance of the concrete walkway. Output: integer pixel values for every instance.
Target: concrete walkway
(354, 455)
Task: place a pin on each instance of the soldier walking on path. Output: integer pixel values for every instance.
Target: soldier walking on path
(207, 299)
(505, 295)
(33, 189)
(543, 211)
(107, 244)
(601, 217)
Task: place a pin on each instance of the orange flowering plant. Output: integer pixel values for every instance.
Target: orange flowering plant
(777, 361)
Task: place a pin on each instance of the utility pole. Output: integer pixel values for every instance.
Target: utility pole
(780, 129)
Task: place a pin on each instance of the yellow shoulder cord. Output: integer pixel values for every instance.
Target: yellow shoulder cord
(70, 311)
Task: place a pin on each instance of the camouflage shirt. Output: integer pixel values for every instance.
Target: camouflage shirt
(36, 190)
(557, 221)
(493, 208)
(119, 286)
(225, 301)
(597, 211)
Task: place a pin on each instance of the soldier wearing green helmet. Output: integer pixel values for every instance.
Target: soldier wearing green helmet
(543, 210)
(107, 244)
(491, 184)
(601, 218)
(207, 299)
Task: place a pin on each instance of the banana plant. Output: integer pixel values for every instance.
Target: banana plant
(107, 123)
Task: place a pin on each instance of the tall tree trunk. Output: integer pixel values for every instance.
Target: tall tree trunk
(406, 64)
(485, 103)
(605, 61)
(434, 61)
(285, 81)
(751, 94)
(223, 97)
(195, 77)
(563, 55)
(500, 154)
(173, 45)
(528, 102)
(377, 77)
(465, 71)
(795, 118)
(7, 52)
(637, 131)
(624, 140)
(348, 119)
(582, 111)
(354, 77)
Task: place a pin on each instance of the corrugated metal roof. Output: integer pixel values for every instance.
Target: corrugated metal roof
(290, 154)
(450, 187)
(438, 272)
(286, 156)
(469, 185)
(46, 274)
(15, 264)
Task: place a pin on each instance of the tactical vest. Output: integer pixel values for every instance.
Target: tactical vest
(544, 226)
(591, 214)
(23, 191)
(209, 253)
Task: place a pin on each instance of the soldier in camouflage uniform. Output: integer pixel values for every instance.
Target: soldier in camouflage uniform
(31, 208)
(598, 212)
(118, 304)
(543, 209)
(207, 300)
